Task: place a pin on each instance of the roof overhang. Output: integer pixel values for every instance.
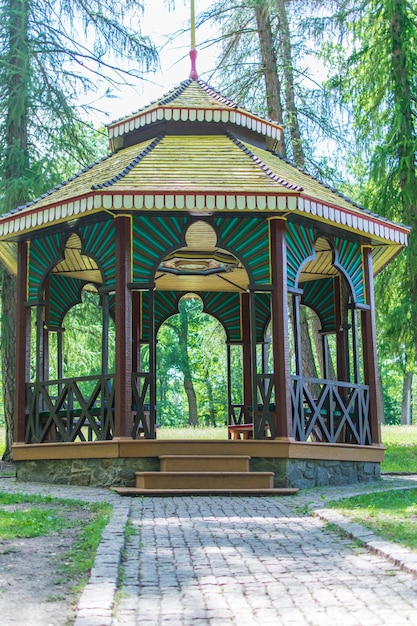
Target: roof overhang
(15, 226)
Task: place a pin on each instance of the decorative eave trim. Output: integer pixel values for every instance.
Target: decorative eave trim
(368, 223)
(33, 218)
(195, 114)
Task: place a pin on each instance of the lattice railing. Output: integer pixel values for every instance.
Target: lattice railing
(330, 411)
(70, 409)
(236, 414)
(143, 417)
(264, 413)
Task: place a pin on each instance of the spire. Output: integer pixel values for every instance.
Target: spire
(193, 51)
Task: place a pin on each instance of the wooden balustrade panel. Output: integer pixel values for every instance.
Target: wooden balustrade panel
(330, 411)
(70, 409)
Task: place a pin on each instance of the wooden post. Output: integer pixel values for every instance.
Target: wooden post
(246, 355)
(136, 326)
(123, 328)
(22, 344)
(370, 360)
(279, 313)
(341, 356)
(152, 365)
(45, 332)
(229, 385)
(105, 334)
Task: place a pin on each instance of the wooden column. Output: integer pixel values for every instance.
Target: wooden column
(341, 356)
(105, 334)
(136, 326)
(370, 360)
(123, 328)
(229, 385)
(45, 332)
(246, 355)
(152, 365)
(279, 313)
(22, 344)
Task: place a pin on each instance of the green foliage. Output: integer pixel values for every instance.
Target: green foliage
(374, 76)
(83, 338)
(390, 514)
(200, 355)
(51, 55)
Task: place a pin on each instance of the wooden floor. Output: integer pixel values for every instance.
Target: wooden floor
(142, 448)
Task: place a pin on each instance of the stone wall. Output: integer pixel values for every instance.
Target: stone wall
(304, 473)
(120, 472)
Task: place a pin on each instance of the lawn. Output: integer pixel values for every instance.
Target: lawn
(389, 514)
(401, 449)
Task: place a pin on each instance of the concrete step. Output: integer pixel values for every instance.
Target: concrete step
(133, 491)
(204, 480)
(204, 463)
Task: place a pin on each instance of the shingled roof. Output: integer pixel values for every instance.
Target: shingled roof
(194, 150)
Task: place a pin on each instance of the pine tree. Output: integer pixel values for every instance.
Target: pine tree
(50, 52)
(378, 81)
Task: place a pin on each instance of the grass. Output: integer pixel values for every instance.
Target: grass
(24, 516)
(389, 514)
(79, 560)
(401, 449)
(189, 432)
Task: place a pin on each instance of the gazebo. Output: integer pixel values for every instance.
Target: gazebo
(194, 199)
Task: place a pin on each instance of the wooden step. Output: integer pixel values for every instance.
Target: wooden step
(205, 463)
(133, 492)
(204, 480)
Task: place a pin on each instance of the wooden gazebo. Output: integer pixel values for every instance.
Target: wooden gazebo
(193, 198)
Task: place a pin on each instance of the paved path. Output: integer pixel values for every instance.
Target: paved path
(236, 561)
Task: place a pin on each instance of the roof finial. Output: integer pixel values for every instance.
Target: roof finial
(193, 51)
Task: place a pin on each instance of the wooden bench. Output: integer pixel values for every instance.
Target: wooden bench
(241, 431)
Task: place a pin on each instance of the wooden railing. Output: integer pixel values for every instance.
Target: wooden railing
(70, 409)
(83, 409)
(330, 411)
(143, 417)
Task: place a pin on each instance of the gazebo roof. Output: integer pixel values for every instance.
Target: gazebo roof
(195, 151)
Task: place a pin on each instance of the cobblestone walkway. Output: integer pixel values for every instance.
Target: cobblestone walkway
(219, 561)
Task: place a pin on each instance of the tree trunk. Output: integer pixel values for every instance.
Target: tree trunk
(307, 354)
(186, 369)
(8, 356)
(16, 167)
(292, 121)
(209, 388)
(269, 67)
(406, 399)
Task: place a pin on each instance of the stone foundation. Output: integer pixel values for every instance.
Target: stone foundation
(120, 472)
(304, 473)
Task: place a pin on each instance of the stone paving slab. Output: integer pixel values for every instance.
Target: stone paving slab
(237, 561)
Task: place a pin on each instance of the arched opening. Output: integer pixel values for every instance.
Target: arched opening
(329, 397)
(191, 365)
(71, 394)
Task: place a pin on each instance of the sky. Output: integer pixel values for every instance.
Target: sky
(165, 28)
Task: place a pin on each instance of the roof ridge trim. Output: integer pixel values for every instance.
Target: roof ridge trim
(263, 165)
(128, 168)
